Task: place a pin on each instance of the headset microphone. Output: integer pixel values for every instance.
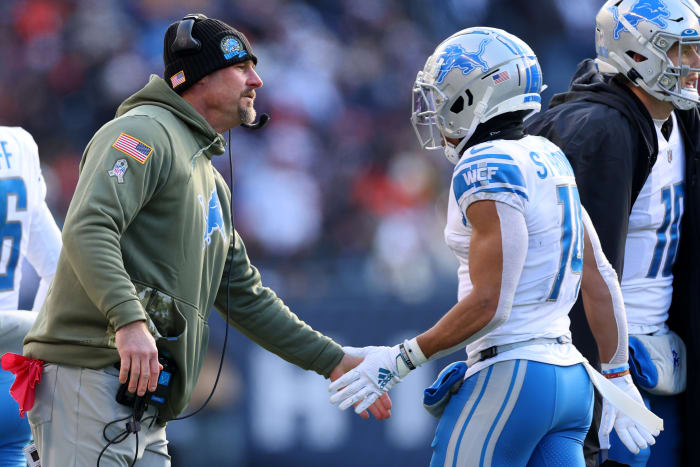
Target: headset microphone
(262, 121)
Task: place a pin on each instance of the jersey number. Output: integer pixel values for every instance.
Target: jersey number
(11, 231)
(571, 236)
(675, 192)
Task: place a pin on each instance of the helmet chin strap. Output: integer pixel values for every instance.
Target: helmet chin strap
(685, 104)
(454, 153)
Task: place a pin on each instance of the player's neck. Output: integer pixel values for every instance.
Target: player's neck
(659, 110)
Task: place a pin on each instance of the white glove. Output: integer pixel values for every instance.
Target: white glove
(382, 368)
(633, 436)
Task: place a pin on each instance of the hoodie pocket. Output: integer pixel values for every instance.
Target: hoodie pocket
(163, 318)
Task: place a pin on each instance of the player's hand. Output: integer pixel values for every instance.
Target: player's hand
(633, 436)
(367, 382)
(139, 357)
(381, 409)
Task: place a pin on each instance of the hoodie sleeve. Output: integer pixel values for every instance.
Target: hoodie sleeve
(123, 167)
(599, 145)
(260, 315)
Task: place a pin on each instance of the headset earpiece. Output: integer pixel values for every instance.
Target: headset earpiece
(184, 41)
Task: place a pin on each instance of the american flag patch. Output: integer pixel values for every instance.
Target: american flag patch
(133, 147)
(498, 78)
(177, 79)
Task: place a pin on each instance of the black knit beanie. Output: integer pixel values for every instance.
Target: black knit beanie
(221, 46)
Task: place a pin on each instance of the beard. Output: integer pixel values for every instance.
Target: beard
(247, 113)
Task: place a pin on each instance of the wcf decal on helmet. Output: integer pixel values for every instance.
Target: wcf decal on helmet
(232, 48)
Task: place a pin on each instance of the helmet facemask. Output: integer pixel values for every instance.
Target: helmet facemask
(428, 119)
(670, 83)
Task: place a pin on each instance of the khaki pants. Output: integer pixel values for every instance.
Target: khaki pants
(72, 407)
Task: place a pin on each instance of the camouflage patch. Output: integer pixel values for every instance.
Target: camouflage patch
(111, 336)
(160, 319)
(159, 316)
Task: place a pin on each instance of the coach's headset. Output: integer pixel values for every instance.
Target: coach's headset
(186, 43)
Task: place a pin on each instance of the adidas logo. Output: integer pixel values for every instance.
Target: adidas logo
(384, 377)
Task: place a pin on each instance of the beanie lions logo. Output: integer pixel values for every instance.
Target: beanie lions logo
(232, 48)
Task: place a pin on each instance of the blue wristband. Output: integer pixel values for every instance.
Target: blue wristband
(619, 369)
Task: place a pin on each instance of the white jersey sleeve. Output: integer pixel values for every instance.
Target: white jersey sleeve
(487, 173)
(44, 248)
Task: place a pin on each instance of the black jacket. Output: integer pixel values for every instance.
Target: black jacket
(610, 140)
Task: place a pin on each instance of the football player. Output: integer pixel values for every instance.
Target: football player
(28, 231)
(629, 125)
(517, 227)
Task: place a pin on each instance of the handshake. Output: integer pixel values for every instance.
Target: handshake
(365, 375)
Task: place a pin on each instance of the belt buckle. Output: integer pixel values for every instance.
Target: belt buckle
(489, 353)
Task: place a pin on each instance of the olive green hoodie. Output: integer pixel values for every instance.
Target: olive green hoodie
(148, 237)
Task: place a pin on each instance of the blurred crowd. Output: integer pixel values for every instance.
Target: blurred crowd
(336, 189)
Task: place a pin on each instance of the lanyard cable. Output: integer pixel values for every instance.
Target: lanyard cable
(228, 280)
(134, 426)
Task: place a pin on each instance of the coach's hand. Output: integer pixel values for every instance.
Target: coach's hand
(139, 357)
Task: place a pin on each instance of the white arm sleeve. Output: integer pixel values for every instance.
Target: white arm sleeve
(514, 238)
(14, 325)
(43, 250)
(610, 278)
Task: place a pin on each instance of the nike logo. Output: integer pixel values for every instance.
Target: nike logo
(483, 148)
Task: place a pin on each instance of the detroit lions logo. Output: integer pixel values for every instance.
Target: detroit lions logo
(213, 218)
(455, 56)
(653, 11)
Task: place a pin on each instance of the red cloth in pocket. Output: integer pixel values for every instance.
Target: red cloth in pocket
(27, 376)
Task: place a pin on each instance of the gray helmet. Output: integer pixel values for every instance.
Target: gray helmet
(649, 28)
(471, 77)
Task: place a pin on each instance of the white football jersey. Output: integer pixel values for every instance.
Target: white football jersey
(652, 238)
(28, 229)
(533, 176)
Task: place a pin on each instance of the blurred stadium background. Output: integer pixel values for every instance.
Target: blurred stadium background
(340, 210)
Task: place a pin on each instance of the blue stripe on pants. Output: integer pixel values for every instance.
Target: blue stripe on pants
(516, 413)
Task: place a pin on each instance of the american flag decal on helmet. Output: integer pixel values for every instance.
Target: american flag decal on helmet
(498, 78)
(133, 147)
(177, 79)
